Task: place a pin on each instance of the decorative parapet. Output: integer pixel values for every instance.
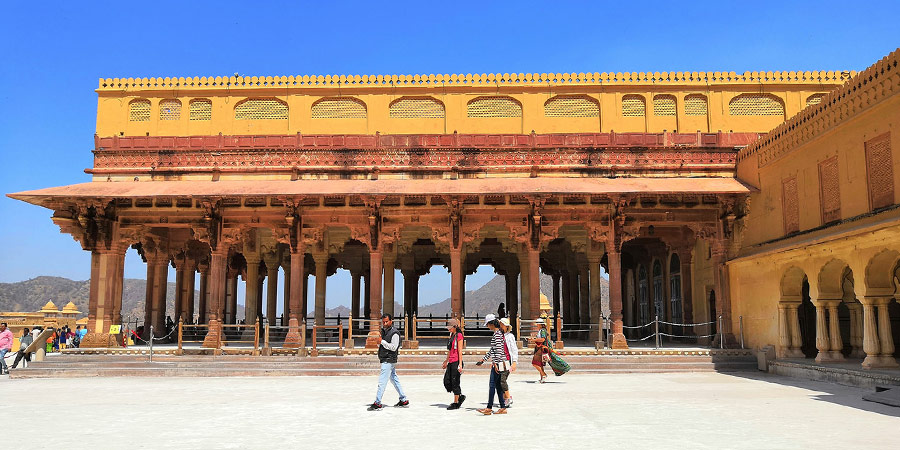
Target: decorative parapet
(505, 79)
(857, 95)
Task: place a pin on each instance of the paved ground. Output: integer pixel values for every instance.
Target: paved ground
(659, 411)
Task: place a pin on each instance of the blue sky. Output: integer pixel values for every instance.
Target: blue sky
(52, 56)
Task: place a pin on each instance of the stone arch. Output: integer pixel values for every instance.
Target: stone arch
(170, 109)
(792, 283)
(261, 109)
(338, 108)
(494, 106)
(756, 105)
(830, 279)
(571, 106)
(881, 272)
(416, 108)
(139, 110)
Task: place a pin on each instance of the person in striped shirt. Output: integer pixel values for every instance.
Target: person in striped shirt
(500, 365)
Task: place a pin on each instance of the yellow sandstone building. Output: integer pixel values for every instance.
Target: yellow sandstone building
(667, 182)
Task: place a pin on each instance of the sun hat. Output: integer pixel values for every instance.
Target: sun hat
(488, 318)
(505, 322)
(539, 320)
(452, 323)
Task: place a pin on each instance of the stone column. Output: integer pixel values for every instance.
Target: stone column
(286, 305)
(321, 260)
(456, 283)
(524, 287)
(407, 292)
(304, 309)
(584, 302)
(557, 307)
(179, 287)
(784, 332)
(834, 331)
(534, 282)
(271, 290)
(203, 307)
(823, 342)
(723, 302)
(251, 294)
(615, 299)
(596, 300)
(367, 296)
(354, 294)
(871, 341)
(794, 330)
(259, 295)
(148, 306)
(230, 315)
(886, 356)
(107, 266)
(297, 272)
(218, 271)
(388, 301)
(160, 291)
(856, 330)
(374, 289)
(686, 255)
(512, 297)
(187, 310)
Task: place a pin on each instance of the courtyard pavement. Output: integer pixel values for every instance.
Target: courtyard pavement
(635, 411)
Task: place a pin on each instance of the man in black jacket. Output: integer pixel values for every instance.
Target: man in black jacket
(387, 355)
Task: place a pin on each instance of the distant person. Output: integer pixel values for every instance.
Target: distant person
(499, 364)
(63, 338)
(387, 355)
(82, 333)
(512, 353)
(24, 342)
(50, 340)
(501, 311)
(6, 342)
(541, 349)
(453, 365)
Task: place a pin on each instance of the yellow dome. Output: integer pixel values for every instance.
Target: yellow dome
(545, 303)
(50, 307)
(70, 308)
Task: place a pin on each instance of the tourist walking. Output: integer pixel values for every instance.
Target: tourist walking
(499, 364)
(541, 348)
(6, 342)
(512, 352)
(387, 355)
(24, 342)
(453, 365)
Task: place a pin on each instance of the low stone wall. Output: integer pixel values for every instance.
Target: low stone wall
(858, 378)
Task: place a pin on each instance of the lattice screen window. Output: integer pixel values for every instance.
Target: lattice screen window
(417, 108)
(790, 207)
(664, 105)
(201, 109)
(756, 105)
(571, 106)
(695, 105)
(170, 110)
(339, 108)
(633, 106)
(880, 171)
(494, 107)
(814, 99)
(139, 111)
(830, 190)
(261, 108)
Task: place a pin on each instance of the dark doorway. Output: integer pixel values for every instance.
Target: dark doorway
(806, 314)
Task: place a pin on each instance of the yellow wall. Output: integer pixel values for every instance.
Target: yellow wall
(531, 91)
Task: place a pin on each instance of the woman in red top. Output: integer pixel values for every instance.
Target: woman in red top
(453, 364)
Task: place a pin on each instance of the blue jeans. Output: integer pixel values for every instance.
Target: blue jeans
(388, 371)
(495, 385)
(3, 359)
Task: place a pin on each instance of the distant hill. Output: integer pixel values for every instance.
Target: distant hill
(31, 295)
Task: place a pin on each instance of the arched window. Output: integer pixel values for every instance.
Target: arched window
(814, 99)
(494, 107)
(657, 289)
(416, 108)
(139, 111)
(643, 296)
(200, 109)
(664, 105)
(571, 106)
(675, 288)
(339, 108)
(633, 106)
(170, 109)
(261, 109)
(695, 105)
(756, 105)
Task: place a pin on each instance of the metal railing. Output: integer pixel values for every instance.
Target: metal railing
(669, 332)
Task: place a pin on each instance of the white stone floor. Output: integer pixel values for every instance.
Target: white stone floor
(635, 411)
